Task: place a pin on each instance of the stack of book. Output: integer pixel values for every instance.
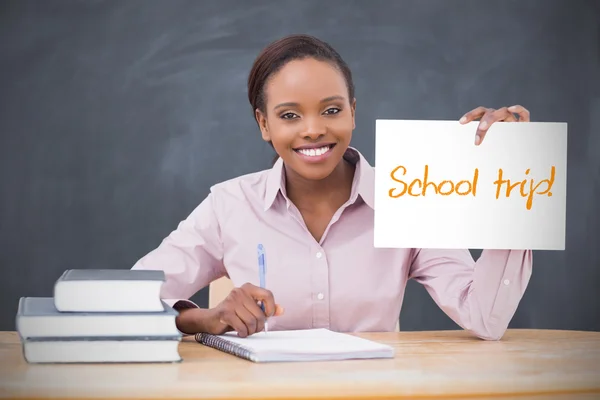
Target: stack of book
(100, 316)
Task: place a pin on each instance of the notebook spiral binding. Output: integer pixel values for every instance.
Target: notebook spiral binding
(223, 345)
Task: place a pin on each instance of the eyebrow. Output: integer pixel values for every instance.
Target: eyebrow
(292, 104)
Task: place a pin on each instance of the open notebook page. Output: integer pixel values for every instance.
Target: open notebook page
(310, 344)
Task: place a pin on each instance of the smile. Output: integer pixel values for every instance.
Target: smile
(315, 152)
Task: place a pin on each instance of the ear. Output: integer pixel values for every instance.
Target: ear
(353, 109)
(262, 124)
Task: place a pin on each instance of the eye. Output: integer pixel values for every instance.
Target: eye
(332, 110)
(288, 115)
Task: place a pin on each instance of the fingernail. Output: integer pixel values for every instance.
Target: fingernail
(477, 140)
(512, 108)
(463, 120)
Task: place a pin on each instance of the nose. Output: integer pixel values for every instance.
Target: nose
(315, 128)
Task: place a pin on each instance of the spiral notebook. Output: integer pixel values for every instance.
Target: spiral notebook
(296, 345)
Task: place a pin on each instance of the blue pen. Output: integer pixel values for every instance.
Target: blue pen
(261, 276)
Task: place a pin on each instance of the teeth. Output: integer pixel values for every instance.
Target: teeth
(314, 152)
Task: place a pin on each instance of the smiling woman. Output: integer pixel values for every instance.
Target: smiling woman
(301, 84)
(312, 213)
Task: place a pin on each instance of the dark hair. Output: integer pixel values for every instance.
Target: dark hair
(288, 48)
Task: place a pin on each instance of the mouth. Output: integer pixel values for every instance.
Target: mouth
(315, 153)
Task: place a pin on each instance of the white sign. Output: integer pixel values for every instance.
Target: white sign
(434, 188)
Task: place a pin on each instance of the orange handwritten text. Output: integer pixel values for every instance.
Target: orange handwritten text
(532, 189)
(444, 188)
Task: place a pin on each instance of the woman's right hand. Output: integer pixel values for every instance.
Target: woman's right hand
(239, 312)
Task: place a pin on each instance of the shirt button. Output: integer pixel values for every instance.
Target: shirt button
(319, 254)
(506, 282)
(320, 296)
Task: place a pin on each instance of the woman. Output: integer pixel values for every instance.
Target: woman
(313, 213)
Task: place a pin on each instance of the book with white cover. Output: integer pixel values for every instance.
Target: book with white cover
(38, 317)
(102, 350)
(296, 345)
(109, 290)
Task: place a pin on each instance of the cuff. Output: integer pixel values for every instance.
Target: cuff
(180, 304)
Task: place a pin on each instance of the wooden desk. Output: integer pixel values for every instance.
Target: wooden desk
(525, 363)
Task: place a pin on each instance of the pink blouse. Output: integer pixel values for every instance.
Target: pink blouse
(341, 282)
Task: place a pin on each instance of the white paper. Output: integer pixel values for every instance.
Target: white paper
(309, 341)
(524, 151)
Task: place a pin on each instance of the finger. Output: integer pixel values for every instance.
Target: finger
(231, 319)
(257, 314)
(248, 319)
(510, 117)
(224, 327)
(521, 111)
(488, 119)
(504, 115)
(263, 295)
(483, 125)
(278, 310)
(474, 114)
(491, 116)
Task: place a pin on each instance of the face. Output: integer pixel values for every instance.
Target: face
(309, 118)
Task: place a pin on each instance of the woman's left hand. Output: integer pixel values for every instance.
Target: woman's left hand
(488, 116)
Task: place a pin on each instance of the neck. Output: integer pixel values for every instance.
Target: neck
(330, 192)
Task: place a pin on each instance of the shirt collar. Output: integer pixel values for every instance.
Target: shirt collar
(363, 184)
